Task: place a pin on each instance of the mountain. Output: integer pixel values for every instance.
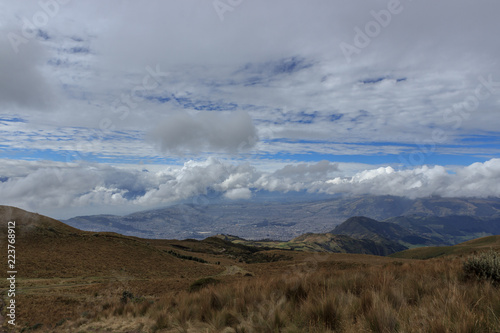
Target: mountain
(277, 220)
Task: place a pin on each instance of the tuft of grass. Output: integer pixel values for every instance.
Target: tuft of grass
(485, 266)
(202, 283)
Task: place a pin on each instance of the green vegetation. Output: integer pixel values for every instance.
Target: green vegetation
(181, 256)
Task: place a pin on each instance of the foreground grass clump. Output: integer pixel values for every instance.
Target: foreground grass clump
(427, 296)
(202, 283)
(484, 266)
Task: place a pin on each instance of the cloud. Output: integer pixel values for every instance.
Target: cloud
(183, 133)
(238, 194)
(52, 186)
(23, 83)
(302, 169)
(475, 180)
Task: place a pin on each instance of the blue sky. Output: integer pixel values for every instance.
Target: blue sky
(178, 88)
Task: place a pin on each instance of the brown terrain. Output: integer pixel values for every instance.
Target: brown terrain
(74, 281)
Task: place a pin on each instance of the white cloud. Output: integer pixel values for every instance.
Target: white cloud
(238, 194)
(60, 187)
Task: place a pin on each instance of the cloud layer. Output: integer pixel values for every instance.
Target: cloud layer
(43, 186)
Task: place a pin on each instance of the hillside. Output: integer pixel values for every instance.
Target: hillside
(462, 249)
(448, 230)
(73, 252)
(324, 242)
(361, 227)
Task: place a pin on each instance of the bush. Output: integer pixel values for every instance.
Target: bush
(201, 283)
(485, 266)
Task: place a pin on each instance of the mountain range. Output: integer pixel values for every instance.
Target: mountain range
(287, 220)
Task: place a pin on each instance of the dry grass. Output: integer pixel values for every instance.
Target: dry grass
(430, 296)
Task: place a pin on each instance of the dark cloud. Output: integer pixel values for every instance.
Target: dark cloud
(183, 133)
(22, 82)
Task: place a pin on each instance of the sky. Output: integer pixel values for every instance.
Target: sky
(114, 107)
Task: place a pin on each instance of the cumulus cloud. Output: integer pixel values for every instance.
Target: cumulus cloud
(43, 186)
(475, 180)
(206, 131)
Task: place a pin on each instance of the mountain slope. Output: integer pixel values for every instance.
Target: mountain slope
(365, 228)
(465, 248)
(449, 230)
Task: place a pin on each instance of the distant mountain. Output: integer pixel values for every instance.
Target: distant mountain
(416, 230)
(278, 220)
(361, 227)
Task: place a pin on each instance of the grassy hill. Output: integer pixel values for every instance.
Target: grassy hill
(365, 228)
(462, 249)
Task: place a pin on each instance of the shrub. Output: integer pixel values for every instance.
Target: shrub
(126, 295)
(201, 283)
(485, 266)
